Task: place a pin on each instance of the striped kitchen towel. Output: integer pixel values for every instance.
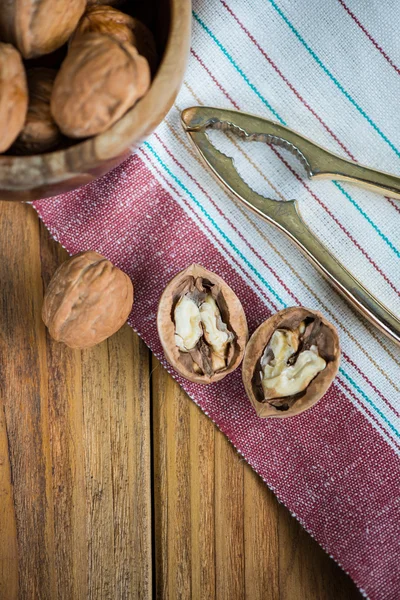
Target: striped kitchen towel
(330, 70)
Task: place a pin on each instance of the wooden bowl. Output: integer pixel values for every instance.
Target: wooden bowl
(44, 175)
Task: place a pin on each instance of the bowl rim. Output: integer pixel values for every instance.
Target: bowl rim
(29, 172)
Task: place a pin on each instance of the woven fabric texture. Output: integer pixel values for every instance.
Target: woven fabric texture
(332, 72)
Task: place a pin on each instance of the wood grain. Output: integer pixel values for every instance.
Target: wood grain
(8, 531)
(113, 483)
(74, 442)
(229, 526)
(24, 398)
(67, 448)
(129, 364)
(202, 494)
(171, 429)
(228, 538)
(305, 571)
(261, 539)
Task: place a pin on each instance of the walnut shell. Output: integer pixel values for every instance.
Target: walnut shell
(327, 342)
(13, 95)
(231, 311)
(99, 80)
(40, 132)
(102, 2)
(38, 27)
(87, 300)
(124, 28)
(101, 18)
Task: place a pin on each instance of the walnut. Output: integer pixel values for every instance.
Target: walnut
(87, 300)
(13, 95)
(40, 132)
(201, 325)
(110, 21)
(285, 369)
(38, 27)
(290, 362)
(99, 80)
(109, 2)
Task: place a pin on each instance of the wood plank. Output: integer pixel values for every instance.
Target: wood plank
(98, 472)
(75, 517)
(67, 449)
(129, 365)
(261, 539)
(161, 531)
(24, 397)
(172, 469)
(202, 492)
(243, 544)
(108, 393)
(305, 570)
(8, 528)
(229, 521)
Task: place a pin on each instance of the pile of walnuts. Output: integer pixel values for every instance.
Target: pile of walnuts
(107, 60)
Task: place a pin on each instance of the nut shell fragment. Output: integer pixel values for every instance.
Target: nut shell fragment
(99, 80)
(13, 95)
(87, 300)
(38, 27)
(327, 343)
(40, 132)
(232, 315)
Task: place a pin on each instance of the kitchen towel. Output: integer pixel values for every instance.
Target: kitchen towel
(330, 70)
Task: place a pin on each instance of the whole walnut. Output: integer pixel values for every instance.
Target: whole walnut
(99, 80)
(110, 21)
(38, 27)
(13, 95)
(87, 300)
(100, 2)
(40, 132)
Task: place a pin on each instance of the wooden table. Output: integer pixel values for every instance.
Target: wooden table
(113, 484)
